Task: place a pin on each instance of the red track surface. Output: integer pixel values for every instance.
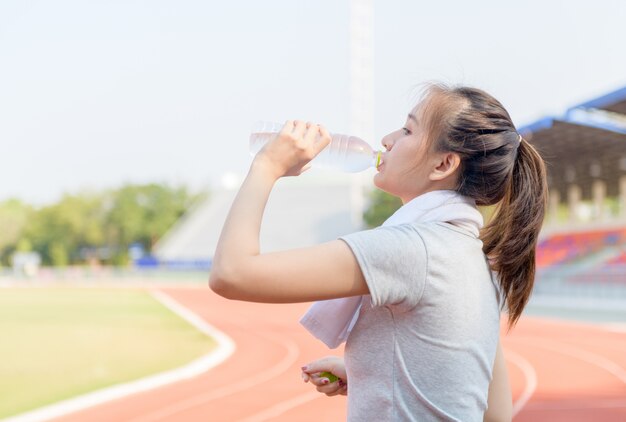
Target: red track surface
(579, 372)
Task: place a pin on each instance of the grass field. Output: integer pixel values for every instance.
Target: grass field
(56, 343)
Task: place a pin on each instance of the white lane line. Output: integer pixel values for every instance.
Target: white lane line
(293, 353)
(282, 407)
(529, 373)
(593, 358)
(578, 353)
(225, 348)
(615, 327)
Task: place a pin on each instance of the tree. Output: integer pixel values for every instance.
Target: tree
(59, 256)
(59, 231)
(14, 216)
(142, 214)
(93, 225)
(382, 206)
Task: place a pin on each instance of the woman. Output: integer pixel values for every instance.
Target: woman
(424, 344)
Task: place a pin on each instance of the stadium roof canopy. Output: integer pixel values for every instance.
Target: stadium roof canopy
(587, 144)
(614, 101)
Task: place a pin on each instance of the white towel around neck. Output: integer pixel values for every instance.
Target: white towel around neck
(332, 320)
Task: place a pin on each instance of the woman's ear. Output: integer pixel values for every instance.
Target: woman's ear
(445, 165)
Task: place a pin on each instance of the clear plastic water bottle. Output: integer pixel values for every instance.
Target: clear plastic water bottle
(345, 153)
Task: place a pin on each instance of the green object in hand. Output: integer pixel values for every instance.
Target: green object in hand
(331, 377)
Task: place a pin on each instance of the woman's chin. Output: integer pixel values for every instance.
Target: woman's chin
(379, 181)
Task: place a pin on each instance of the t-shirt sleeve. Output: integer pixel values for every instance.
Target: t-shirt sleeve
(394, 263)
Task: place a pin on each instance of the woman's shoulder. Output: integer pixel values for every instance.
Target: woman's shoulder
(422, 232)
(422, 236)
(395, 242)
(443, 228)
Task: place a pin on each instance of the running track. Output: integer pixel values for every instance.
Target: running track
(559, 372)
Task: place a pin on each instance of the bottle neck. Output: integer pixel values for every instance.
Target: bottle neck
(376, 157)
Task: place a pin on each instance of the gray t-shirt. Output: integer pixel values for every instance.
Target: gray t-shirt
(425, 341)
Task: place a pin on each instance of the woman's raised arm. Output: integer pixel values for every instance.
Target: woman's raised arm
(239, 271)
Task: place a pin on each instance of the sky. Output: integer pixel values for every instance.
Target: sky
(95, 94)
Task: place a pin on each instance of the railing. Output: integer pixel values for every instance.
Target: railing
(570, 280)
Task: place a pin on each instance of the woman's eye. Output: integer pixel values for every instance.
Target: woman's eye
(406, 131)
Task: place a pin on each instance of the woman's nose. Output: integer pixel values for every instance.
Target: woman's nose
(387, 142)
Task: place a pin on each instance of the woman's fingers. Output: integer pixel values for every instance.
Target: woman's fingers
(299, 129)
(318, 380)
(325, 134)
(312, 133)
(340, 391)
(324, 139)
(288, 127)
(297, 144)
(316, 373)
(332, 364)
(329, 387)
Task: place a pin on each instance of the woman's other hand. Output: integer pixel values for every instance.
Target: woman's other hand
(290, 152)
(333, 364)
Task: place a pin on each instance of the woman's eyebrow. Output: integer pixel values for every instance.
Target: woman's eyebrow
(412, 117)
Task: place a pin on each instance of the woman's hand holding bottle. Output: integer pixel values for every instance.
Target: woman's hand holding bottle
(320, 372)
(290, 152)
(345, 153)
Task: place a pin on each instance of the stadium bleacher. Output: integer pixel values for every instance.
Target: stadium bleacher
(618, 260)
(583, 253)
(570, 247)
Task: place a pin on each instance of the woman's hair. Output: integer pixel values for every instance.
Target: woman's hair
(497, 167)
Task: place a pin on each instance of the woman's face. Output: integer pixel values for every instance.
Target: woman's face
(405, 164)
